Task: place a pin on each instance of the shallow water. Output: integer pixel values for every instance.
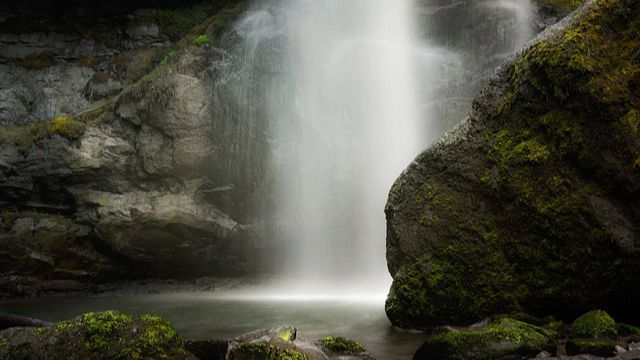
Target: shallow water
(224, 315)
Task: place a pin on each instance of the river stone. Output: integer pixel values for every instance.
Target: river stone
(530, 204)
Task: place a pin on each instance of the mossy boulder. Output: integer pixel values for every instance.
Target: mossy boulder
(341, 345)
(106, 335)
(263, 351)
(530, 204)
(503, 338)
(595, 324)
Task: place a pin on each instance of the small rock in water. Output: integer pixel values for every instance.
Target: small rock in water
(543, 355)
(619, 350)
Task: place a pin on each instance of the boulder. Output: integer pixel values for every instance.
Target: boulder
(502, 338)
(595, 324)
(110, 334)
(531, 203)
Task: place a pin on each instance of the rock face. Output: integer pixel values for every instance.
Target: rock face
(532, 202)
(155, 181)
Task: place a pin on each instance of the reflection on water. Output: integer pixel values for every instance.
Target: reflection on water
(226, 314)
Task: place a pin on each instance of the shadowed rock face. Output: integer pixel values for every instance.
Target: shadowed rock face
(155, 181)
(532, 202)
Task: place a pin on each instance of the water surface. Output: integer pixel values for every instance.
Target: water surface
(224, 315)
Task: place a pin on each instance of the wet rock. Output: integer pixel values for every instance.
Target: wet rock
(283, 342)
(133, 171)
(10, 321)
(96, 336)
(529, 203)
(501, 339)
(598, 347)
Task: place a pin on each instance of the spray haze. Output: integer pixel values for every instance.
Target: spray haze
(350, 92)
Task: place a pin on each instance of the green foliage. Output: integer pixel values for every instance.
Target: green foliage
(168, 56)
(201, 40)
(595, 324)
(342, 345)
(264, 351)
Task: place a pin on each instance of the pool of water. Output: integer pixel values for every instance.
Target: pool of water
(215, 315)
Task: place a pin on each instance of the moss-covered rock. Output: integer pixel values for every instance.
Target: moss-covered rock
(106, 335)
(341, 345)
(501, 339)
(263, 351)
(531, 204)
(595, 324)
(628, 330)
(559, 7)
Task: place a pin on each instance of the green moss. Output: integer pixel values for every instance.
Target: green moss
(500, 338)
(107, 335)
(201, 40)
(286, 335)
(342, 345)
(25, 136)
(548, 154)
(461, 286)
(100, 328)
(595, 324)
(264, 351)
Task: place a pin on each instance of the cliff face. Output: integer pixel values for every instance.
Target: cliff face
(149, 178)
(532, 202)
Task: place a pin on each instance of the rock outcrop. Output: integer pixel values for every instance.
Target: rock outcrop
(532, 202)
(157, 180)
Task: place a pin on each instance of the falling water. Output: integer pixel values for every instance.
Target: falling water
(350, 91)
(352, 124)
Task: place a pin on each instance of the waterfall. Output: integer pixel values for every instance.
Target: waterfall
(349, 92)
